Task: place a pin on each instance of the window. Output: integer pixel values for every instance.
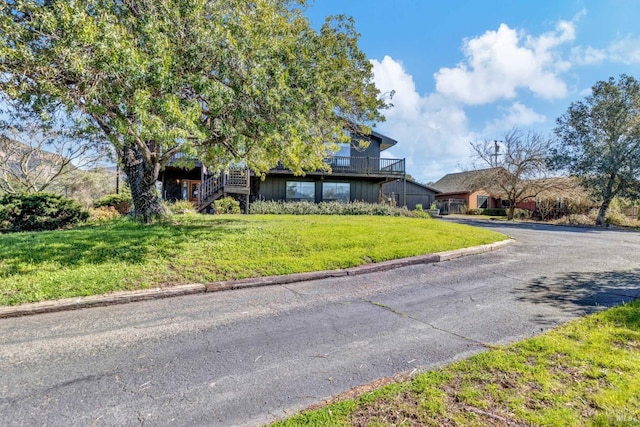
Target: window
(505, 204)
(483, 202)
(336, 191)
(301, 191)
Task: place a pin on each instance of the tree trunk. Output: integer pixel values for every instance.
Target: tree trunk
(511, 211)
(142, 177)
(603, 211)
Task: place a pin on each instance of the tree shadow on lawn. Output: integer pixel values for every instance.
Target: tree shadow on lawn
(127, 242)
(583, 293)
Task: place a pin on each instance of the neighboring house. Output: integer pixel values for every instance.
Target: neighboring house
(356, 175)
(557, 197)
(464, 190)
(413, 192)
(554, 196)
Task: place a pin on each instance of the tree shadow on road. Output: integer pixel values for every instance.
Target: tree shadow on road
(582, 293)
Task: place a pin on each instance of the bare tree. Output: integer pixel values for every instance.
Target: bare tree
(518, 166)
(35, 153)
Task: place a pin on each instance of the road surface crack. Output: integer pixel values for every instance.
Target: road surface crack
(415, 319)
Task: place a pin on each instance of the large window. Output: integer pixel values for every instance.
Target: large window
(336, 191)
(301, 191)
(483, 202)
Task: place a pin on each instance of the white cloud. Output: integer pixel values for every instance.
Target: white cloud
(624, 51)
(498, 63)
(432, 131)
(521, 115)
(516, 115)
(588, 55)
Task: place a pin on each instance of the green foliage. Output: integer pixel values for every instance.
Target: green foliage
(474, 211)
(226, 205)
(327, 208)
(225, 81)
(494, 212)
(419, 206)
(616, 216)
(121, 202)
(123, 254)
(181, 207)
(598, 140)
(38, 211)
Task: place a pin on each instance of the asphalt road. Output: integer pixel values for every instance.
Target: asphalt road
(251, 356)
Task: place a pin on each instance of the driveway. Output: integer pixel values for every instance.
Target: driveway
(250, 356)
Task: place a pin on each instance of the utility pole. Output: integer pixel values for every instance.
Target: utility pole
(496, 147)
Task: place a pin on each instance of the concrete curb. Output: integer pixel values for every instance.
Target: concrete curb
(197, 288)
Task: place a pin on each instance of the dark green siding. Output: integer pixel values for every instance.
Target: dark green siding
(275, 188)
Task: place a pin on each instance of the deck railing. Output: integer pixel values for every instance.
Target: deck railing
(227, 180)
(366, 165)
(363, 165)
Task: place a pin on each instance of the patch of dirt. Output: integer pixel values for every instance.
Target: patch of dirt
(403, 411)
(358, 391)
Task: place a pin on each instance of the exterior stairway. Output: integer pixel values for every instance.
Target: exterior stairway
(214, 187)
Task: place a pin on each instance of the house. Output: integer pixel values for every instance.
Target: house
(466, 190)
(357, 174)
(556, 197)
(550, 197)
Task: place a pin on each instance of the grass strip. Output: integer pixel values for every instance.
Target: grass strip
(126, 255)
(584, 373)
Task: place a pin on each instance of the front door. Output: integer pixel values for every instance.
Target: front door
(194, 192)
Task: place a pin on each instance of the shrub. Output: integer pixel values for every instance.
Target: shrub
(495, 212)
(181, 207)
(419, 207)
(522, 213)
(615, 216)
(474, 211)
(103, 214)
(226, 205)
(38, 211)
(121, 202)
(327, 208)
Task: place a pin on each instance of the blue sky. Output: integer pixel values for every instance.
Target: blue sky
(472, 70)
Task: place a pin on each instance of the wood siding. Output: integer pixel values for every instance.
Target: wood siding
(373, 150)
(415, 194)
(275, 188)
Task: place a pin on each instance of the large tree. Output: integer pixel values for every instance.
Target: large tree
(599, 140)
(224, 80)
(518, 166)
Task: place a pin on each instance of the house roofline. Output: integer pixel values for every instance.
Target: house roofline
(425, 186)
(385, 141)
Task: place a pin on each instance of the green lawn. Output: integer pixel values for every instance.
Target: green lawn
(585, 373)
(125, 255)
